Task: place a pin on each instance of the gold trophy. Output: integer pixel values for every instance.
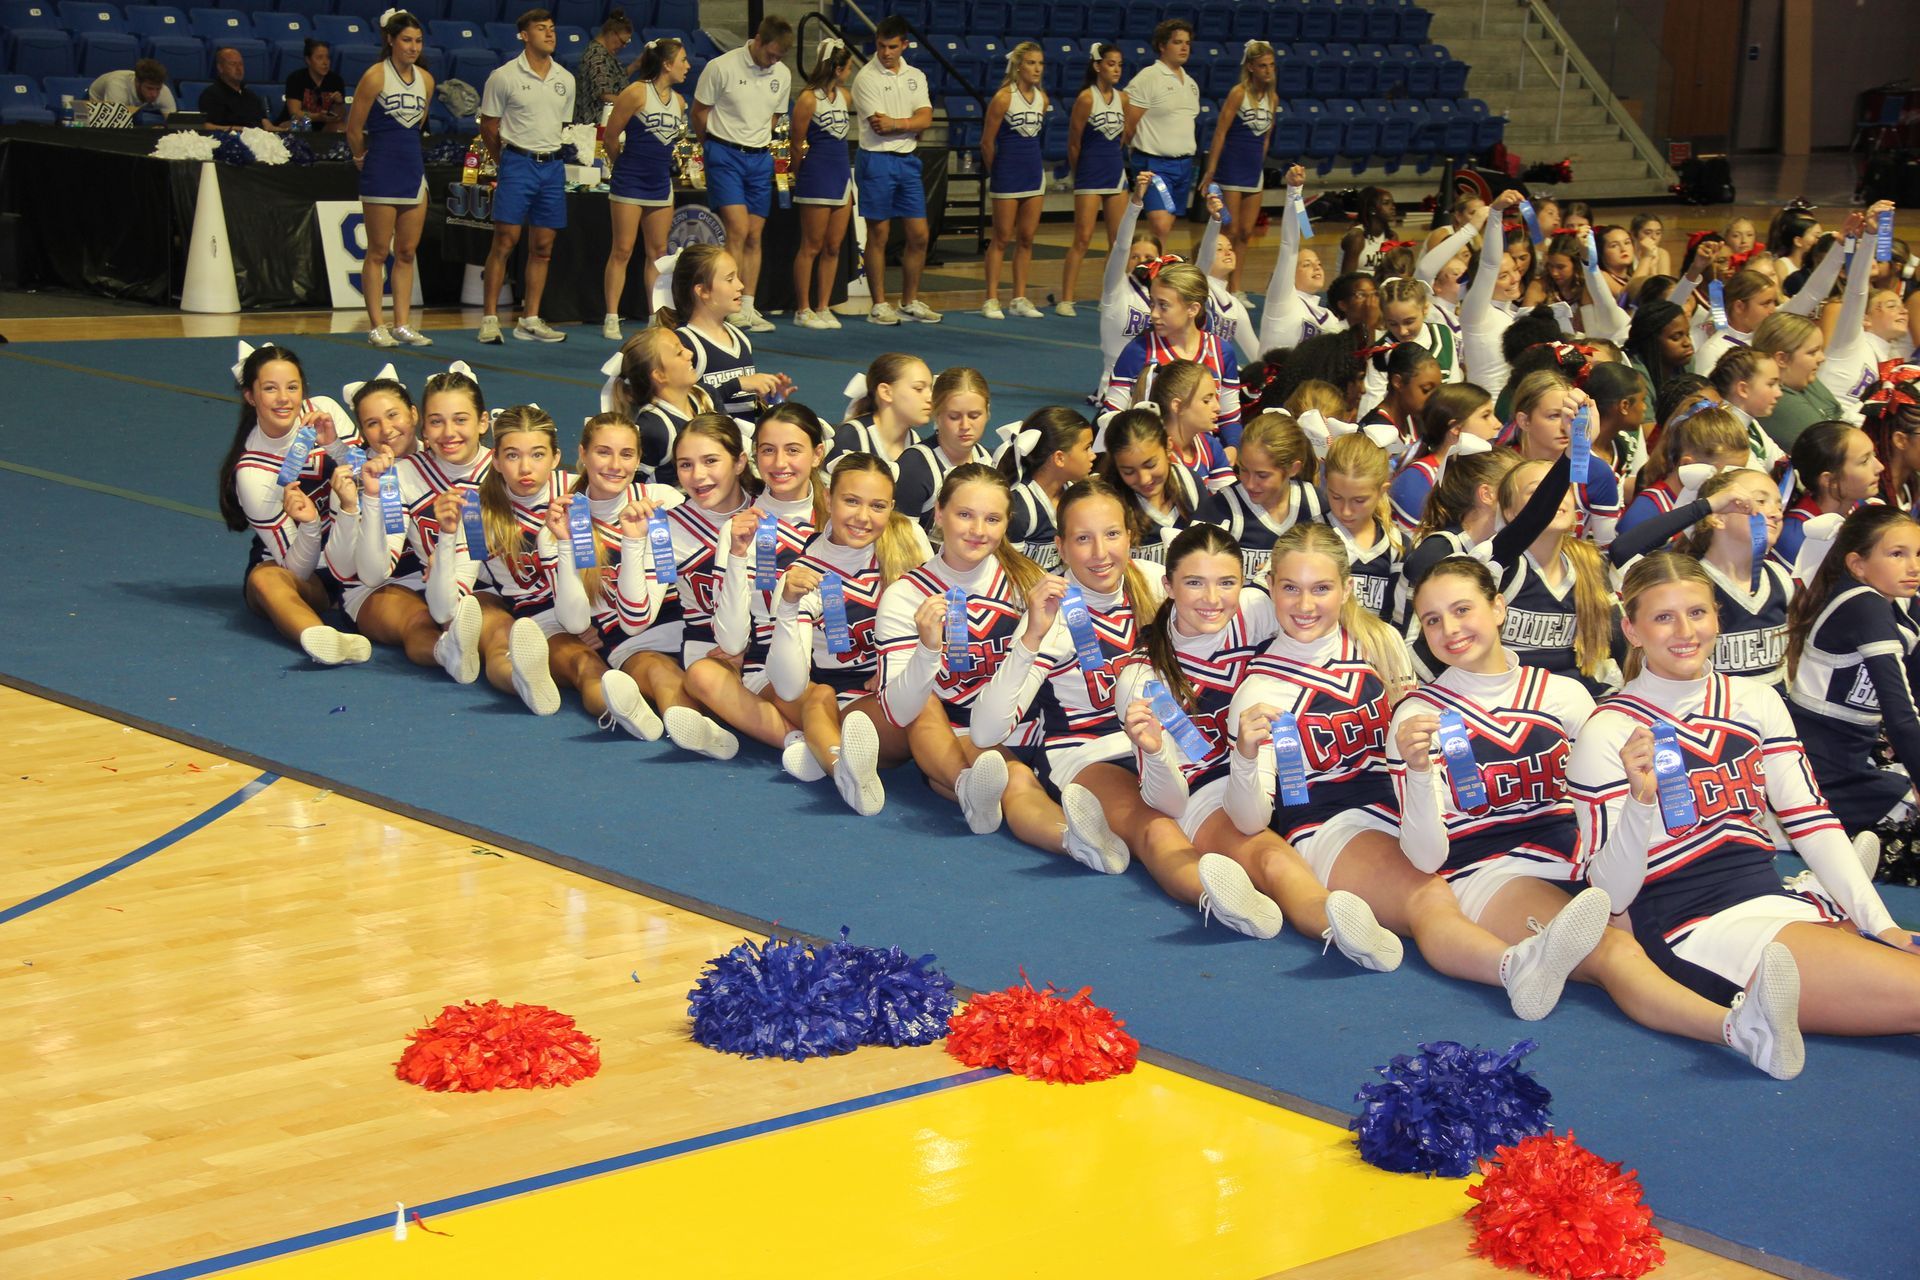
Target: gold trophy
(783, 160)
(689, 167)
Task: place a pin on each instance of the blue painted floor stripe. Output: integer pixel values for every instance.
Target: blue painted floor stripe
(542, 1181)
(145, 851)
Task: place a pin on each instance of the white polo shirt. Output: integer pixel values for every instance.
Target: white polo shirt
(1171, 100)
(742, 97)
(889, 93)
(532, 111)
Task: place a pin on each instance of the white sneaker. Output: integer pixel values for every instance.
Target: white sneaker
(809, 320)
(883, 313)
(979, 790)
(1534, 971)
(991, 309)
(610, 329)
(1352, 928)
(1065, 309)
(856, 773)
(798, 761)
(828, 320)
(532, 676)
(331, 648)
(489, 329)
(921, 312)
(693, 732)
(458, 648)
(1024, 309)
(1089, 840)
(1764, 1022)
(411, 336)
(1866, 847)
(1227, 894)
(627, 708)
(381, 337)
(752, 321)
(534, 329)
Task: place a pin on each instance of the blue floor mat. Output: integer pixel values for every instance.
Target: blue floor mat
(137, 608)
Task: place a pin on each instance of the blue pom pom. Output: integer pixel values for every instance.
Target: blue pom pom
(1447, 1107)
(298, 152)
(907, 1000)
(230, 150)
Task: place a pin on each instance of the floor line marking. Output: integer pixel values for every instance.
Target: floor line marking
(199, 820)
(92, 372)
(575, 1173)
(113, 491)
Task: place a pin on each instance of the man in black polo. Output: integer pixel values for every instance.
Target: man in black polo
(227, 103)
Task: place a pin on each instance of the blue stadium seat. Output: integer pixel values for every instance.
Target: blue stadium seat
(311, 8)
(55, 87)
(1325, 78)
(280, 26)
(1214, 20)
(1053, 143)
(157, 20)
(1414, 24)
(998, 17)
(948, 19)
(449, 34)
(1292, 77)
(80, 17)
(222, 25)
(253, 51)
(1456, 128)
(1316, 23)
(1289, 136)
(1383, 24)
(39, 52)
(425, 10)
(914, 12)
(1284, 21)
(1326, 137)
(1433, 53)
(1105, 18)
(18, 15)
(21, 102)
(1061, 18)
(289, 55)
(1349, 22)
(352, 60)
(1219, 79)
(184, 56)
(472, 65)
(571, 40)
(187, 94)
(481, 12)
(1203, 128)
(577, 13)
(1139, 54)
(1396, 133)
(442, 120)
(1452, 80)
(1360, 132)
(1250, 20)
(684, 14)
(342, 28)
(1423, 79)
(104, 51)
(1142, 16)
(273, 93)
(1359, 78)
(504, 35)
(963, 123)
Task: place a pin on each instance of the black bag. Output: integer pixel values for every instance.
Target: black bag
(1706, 180)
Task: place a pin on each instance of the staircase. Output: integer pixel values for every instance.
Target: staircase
(1518, 55)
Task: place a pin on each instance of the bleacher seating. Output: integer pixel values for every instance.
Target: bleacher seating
(184, 56)
(21, 101)
(157, 20)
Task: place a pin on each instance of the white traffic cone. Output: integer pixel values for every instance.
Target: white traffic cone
(209, 285)
(399, 1221)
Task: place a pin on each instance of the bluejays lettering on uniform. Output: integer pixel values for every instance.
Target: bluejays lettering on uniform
(1372, 593)
(1535, 779)
(1863, 694)
(1531, 630)
(1742, 651)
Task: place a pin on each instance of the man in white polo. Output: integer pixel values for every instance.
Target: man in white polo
(734, 105)
(1163, 108)
(523, 110)
(891, 100)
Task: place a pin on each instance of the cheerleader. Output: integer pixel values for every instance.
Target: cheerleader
(1238, 157)
(1180, 294)
(282, 582)
(1052, 449)
(822, 186)
(1293, 309)
(1791, 237)
(1560, 612)
(1199, 648)
(1446, 262)
(1361, 247)
(1849, 635)
(1400, 379)
(1335, 671)
(654, 383)
(1096, 133)
(1544, 408)
(1868, 323)
(1463, 517)
(1452, 416)
(1838, 470)
(1227, 315)
(1797, 349)
(706, 291)
(390, 601)
(1893, 424)
(789, 446)
(1695, 875)
(1355, 298)
(1659, 346)
(1739, 236)
(1125, 309)
(1136, 457)
(1354, 480)
(929, 688)
(961, 405)
(1616, 258)
(1619, 413)
(1017, 180)
(1270, 497)
(815, 676)
(648, 119)
(892, 400)
(1510, 851)
(1750, 298)
(584, 652)
(384, 125)
(1082, 758)
(1748, 384)
(1698, 441)
(1486, 308)
(1650, 257)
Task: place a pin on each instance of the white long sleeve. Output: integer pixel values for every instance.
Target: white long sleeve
(1819, 283)
(1616, 831)
(1250, 787)
(570, 603)
(1423, 826)
(790, 654)
(373, 553)
(1602, 316)
(343, 542)
(303, 549)
(449, 568)
(1428, 269)
(1483, 326)
(1004, 702)
(1284, 318)
(1115, 272)
(733, 610)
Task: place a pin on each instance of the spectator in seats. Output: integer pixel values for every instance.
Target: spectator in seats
(601, 77)
(227, 103)
(316, 92)
(144, 87)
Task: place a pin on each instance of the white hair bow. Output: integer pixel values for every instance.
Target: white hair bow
(352, 389)
(1012, 437)
(1100, 430)
(1322, 431)
(493, 415)
(240, 365)
(387, 17)
(827, 47)
(856, 389)
(1563, 312)
(1465, 447)
(1254, 48)
(611, 368)
(465, 369)
(1691, 477)
(1820, 533)
(1096, 52)
(663, 283)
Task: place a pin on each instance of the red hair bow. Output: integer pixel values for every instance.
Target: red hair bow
(1693, 241)
(1388, 245)
(1898, 387)
(1150, 270)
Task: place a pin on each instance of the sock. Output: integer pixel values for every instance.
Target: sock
(746, 301)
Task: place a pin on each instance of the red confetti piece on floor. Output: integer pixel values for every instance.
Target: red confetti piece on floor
(1551, 1206)
(415, 1215)
(1042, 1035)
(474, 1047)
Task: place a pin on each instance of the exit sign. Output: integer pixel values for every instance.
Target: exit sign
(1678, 153)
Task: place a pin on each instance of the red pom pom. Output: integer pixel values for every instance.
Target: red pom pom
(471, 1047)
(1042, 1035)
(1553, 1207)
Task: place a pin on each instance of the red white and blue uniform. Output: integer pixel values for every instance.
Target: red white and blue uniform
(799, 654)
(630, 596)
(910, 673)
(402, 559)
(1150, 351)
(743, 622)
(1655, 500)
(1520, 724)
(1850, 686)
(1409, 489)
(702, 543)
(1340, 703)
(524, 574)
(276, 537)
(1080, 721)
(1705, 899)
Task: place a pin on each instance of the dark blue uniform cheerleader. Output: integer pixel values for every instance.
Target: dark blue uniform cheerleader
(827, 176)
(394, 169)
(1243, 154)
(643, 172)
(1018, 169)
